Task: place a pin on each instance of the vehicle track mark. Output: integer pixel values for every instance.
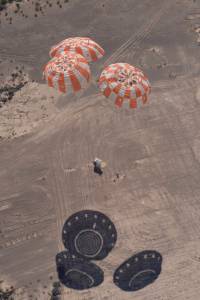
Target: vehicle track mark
(21, 239)
(139, 36)
(18, 57)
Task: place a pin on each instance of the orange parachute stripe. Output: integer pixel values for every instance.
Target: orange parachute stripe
(138, 92)
(61, 83)
(133, 103)
(79, 50)
(93, 54)
(117, 88)
(96, 46)
(50, 79)
(83, 72)
(107, 92)
(119, 101)
(75, 82)
(127, 93)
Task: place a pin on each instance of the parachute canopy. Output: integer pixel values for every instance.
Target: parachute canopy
(125, 84)
(68, 73)
(81, 45)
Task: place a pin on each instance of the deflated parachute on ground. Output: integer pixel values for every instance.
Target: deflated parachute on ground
(81, 45)
(125, 85)
(68, 73)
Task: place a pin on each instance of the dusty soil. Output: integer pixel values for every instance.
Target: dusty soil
(30, 107)
(46, 175)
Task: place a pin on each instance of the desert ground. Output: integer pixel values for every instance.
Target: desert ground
(48, 142)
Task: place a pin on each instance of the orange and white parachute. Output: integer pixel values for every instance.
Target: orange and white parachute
(125, 84)
(81, 45)
(67, 73)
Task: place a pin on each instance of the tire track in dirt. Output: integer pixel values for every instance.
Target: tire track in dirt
(29, 233)
(21, 239)
(177, 83)
(187, 66)
(19, 58)
(33, 222)
(57, 197)
(139, 36)
(67, 180)
(60, 180)
(58, 184)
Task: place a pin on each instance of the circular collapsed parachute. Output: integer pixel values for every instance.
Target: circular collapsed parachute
(81, 45)
(125, 84)
(67, 73)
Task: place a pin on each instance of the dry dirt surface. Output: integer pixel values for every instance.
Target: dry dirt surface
(48, 143)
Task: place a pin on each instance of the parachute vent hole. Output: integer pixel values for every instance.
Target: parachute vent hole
(133, 82)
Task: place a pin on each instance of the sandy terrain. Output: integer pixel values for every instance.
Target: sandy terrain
(46, 175)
